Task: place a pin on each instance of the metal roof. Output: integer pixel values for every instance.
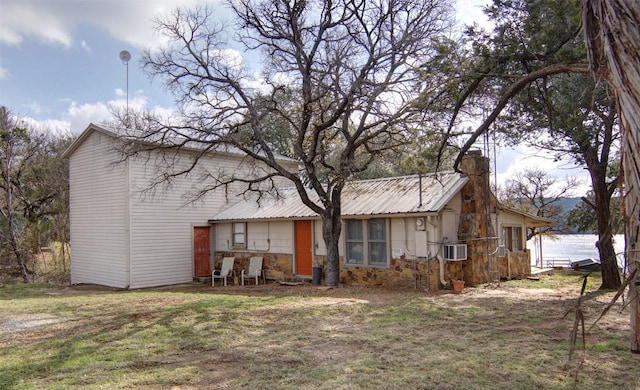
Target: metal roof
(395, 195)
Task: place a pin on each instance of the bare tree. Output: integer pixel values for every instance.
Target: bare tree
(28, 187)
(536, 192)
(13, 138)
(339, 77)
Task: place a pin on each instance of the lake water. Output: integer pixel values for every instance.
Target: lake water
(571, 247)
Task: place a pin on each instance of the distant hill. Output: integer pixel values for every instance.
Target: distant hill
(567, 204)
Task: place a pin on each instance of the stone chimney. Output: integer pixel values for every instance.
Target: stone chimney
(476, 228)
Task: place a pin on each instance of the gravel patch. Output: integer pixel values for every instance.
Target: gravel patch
(16, 324)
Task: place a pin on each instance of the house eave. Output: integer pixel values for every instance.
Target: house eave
(416, 214)
(113, 134)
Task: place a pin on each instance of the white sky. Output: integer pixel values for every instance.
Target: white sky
(59, 64)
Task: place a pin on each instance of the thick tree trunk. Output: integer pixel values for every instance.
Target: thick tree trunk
(611, 26)
(606, 250)
(331, 228)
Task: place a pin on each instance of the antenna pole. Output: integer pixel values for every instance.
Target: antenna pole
(127, 111)
(125, 56)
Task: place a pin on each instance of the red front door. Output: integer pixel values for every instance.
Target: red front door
(201, 251)
(304, 250)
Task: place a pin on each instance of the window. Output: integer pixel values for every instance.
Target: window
(512, 236)
(366, 242)
(377, 242)
(354, 238)
(239, 234)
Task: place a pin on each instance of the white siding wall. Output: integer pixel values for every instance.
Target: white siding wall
(123, 236)
(318, 240)
(98, 215)
(162, 221)
(321, 249)
(223, 237)
(403, 236)
(278, 237)
(449, 226)
(262, 237)
(510, 219)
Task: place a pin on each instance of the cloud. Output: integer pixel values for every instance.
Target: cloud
(30, 18)
(35, 107)
(4, 73)
(511, 161)
(78, 115)
(53, 126)
(84, 45)
(469, 12)
(53, 22)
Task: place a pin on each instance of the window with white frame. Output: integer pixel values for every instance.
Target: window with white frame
(367, 242)
(355, 242)
(239, 234)
(512, 236)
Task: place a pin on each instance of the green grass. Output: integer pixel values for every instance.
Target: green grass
(563, 278)
(305, 338)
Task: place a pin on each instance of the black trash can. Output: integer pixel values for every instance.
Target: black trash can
(317, 275)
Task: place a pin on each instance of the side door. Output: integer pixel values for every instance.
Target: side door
(202, 250)
(304, 247)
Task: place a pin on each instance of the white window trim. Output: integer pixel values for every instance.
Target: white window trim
(234, 243)
(366, 242)
(521, 238)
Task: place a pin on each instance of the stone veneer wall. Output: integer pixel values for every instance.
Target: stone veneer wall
(516, 265)
(402, 273)
(475, 223)
(275, 266)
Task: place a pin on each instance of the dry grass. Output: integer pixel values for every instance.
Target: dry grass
(50, 265)
(508, 337)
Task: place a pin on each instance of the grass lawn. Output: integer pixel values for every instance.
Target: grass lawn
(511, 336)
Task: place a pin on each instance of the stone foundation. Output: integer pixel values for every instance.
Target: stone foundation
(402, 273)
(275, 266)
(515, 265)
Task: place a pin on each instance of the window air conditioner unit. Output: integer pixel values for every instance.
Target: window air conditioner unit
(455, 251)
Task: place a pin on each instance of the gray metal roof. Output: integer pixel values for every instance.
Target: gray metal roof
(395, 195)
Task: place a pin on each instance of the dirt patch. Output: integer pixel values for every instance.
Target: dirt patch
(27, 322)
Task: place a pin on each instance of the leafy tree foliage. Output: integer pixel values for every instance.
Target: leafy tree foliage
(529, 79)
(583, 217)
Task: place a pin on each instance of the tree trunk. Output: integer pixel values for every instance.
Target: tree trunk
(13, 239)
(9, 213)
(20, 257)
(331, 228)
(606, 250)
